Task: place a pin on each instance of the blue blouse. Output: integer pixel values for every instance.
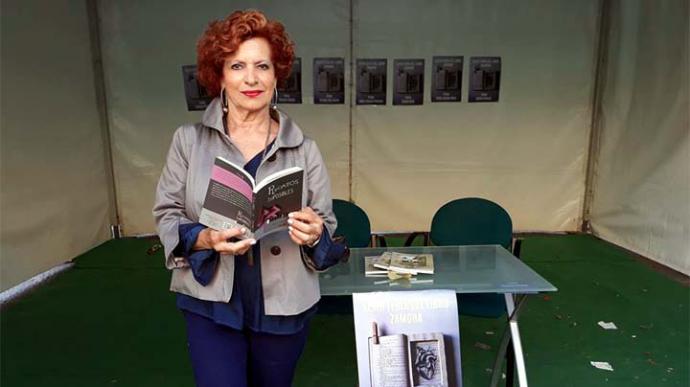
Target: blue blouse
(245, 310)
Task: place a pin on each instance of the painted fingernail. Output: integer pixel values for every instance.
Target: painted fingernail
(253, 242)
(290, 221)
(243, 230)
(290, 228)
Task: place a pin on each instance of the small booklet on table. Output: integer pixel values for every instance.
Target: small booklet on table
(376, 266)
(407, 263)
(234, 199)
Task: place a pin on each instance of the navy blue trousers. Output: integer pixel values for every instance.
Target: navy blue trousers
(226, 357)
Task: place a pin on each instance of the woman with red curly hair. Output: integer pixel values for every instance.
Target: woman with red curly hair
(247, 304)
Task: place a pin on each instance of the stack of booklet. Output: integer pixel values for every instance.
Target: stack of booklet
(392, 264)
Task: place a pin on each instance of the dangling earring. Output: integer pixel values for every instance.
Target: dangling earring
(223, 101)
(274, 102)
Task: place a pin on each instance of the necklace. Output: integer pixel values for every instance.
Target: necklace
(268, 137)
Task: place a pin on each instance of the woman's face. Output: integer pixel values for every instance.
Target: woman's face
(249, 77)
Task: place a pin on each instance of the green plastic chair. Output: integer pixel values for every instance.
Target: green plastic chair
(471, 221)
(477, 221)
(353, 223)
(474, 221)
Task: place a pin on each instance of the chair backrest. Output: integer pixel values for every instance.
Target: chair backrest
(471, 221)
(353, 223)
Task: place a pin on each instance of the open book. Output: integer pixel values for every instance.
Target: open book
(406, 263)
(234, 199)
(407, 360)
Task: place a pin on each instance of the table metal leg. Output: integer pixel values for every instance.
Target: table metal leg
(513, 313)
(511, 342)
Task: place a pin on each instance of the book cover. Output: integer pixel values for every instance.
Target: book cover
(234, 199)
(407, 338)
(377, 266)
(412, 263)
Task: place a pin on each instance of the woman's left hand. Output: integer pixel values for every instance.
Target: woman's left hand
(305, 226)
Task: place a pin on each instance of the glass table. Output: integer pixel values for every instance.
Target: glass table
(464, 269)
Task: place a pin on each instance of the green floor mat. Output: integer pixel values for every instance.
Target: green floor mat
(112, 321)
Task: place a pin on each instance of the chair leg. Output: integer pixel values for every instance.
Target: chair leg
(410, 239)
(501, 354)
(517, 247)
(381, 241)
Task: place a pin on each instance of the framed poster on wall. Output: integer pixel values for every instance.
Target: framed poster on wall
(329, 80)
(196, 96)
(485, 78)
(371, 81)
(409, 81)
(446, 79)
(291, 90)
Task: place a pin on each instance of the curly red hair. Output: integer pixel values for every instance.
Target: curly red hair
(223, 37)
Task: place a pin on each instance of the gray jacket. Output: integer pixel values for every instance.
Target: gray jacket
(290, 285)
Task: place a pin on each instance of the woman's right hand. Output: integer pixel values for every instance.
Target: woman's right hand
(220, 241)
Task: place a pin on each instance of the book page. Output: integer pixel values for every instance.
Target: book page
(275, 176)
(389, 365)
(275, 198)
(229, 197)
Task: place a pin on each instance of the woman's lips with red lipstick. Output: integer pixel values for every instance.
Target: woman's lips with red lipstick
(252, 93)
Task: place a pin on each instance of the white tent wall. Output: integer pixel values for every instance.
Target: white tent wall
(145, 44)
(526, 152)
(642, 182)
(55, 190)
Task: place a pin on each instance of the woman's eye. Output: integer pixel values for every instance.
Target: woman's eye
(236, 66)
(264, 66)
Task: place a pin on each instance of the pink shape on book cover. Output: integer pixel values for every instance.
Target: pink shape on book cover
(233, 181)
(268, 214)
